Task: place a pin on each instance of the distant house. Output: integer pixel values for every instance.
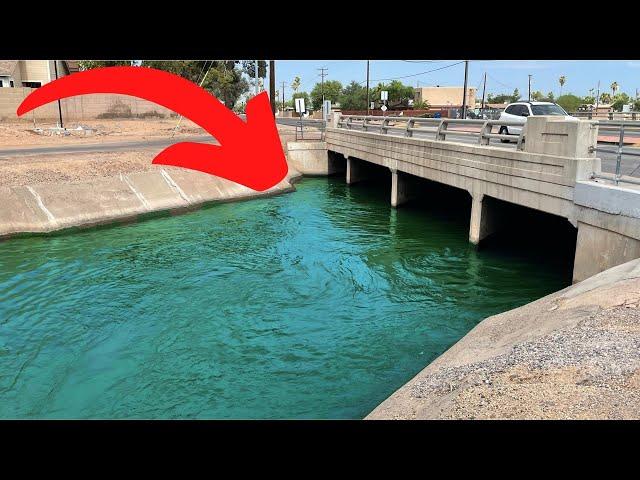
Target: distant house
(33, 73)
(445, 97)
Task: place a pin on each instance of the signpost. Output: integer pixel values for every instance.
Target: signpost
(300, 110)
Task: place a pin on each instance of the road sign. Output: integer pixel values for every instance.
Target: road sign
(326, 109)
(383, 108)
(384, 95)
(300, 105)
(373, 105)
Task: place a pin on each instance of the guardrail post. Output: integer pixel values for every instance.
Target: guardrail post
(383, 126)
(441, 134)
(410, 124)
(364, 123)
(484, 131)
(349, 120)
(520, 144)
(619, 157)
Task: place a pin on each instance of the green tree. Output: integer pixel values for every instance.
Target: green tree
(569, 102)
(223, 78)
(636, 105)
(537, 96)
(398, 92)
(353, 97)
(249, 67)
(614, 89)
(589, 99)
(516, 95)
(550, 97)
(89, 64)
(620, 100)
(562, 80)
(332, 90)
(605, 98)
(305, 95)
(424, 105)
(295, 85)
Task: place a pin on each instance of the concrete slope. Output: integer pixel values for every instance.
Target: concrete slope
(574, 354)
(48, 207)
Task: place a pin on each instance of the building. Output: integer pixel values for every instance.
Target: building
(33, 73)
(445, 97)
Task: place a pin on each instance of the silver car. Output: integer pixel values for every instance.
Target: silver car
(518, 112)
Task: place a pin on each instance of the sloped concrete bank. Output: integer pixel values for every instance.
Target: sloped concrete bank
(574, 354)
(49, 207)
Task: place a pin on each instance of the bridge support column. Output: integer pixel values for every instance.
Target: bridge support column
(399, 188)
(354, 170)
(482, 222)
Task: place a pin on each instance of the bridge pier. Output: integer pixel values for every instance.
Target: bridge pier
(483, 218)
(400, 188)
(354, 171)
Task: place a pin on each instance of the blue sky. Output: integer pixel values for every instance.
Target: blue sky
(502, 75)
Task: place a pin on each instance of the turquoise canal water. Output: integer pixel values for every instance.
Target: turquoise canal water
(314, 304)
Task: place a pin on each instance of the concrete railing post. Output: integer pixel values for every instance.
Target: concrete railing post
(484, 131)
(441, 134)
(574, 140)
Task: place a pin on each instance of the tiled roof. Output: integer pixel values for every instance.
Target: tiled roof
(7, 66)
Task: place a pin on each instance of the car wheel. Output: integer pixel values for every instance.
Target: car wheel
(504, 131)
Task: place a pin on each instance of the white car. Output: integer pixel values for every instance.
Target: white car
(518, 112)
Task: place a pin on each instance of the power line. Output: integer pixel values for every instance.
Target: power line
(416, 74)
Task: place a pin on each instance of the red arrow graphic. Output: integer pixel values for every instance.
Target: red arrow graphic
(250, 153)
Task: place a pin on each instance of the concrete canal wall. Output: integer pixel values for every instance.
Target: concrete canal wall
(49, 207)
(573, 354)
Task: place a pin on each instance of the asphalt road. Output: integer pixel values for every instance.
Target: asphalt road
(629, 163)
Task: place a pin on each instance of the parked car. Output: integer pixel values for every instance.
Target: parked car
(519, 111)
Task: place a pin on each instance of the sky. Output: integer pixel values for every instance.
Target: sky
(502, 75)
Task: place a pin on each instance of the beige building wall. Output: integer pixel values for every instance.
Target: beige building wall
(82, 107)
(35, 71)
(445, 96)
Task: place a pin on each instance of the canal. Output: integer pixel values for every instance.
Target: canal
(314, 304)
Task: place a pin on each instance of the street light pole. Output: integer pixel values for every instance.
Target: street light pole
(368, 101)
(464, 93)
(257, 85)
(272, 85)
(484, 89)
(55, 66)
(529, 87)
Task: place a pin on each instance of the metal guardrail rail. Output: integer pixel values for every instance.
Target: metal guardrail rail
(315, 129)
(439, 126)
(407, 126)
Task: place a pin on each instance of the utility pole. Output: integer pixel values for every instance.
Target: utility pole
(272, 85)
(598, 97)
(484, 89)
(529, 87)
(257, 84)
(55, 66)
(322, 75)
(368, 101)
(464, 93)
(283, 84)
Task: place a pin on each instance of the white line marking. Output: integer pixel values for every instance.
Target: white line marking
(174, 185)
(143, 200)
(49, 215)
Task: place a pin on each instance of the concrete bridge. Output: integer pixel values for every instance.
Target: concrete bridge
(552, 171)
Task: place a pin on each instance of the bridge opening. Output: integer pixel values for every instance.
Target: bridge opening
(518, 232)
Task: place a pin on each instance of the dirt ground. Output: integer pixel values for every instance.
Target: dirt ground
(21, 134)
(63, 168)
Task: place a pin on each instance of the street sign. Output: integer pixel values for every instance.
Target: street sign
(384, 95)
(383, 108)
(373, 105)
(300, 105)
(326, 109)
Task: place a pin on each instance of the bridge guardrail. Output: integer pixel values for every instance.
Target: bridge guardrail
(619, 127)
(438, 126)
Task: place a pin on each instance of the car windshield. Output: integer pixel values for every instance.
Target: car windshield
(548, 110)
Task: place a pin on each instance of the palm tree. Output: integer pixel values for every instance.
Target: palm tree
(614, 89)
(562, 80)
(295, 85)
